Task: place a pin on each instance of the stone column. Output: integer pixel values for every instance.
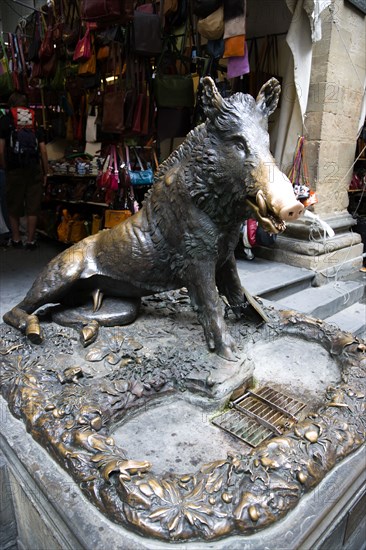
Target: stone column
(331, 125)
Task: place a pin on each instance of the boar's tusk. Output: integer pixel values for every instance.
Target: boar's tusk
(97, 299)
(261, 202)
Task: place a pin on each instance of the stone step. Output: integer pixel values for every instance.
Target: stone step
(351, 319)
(324, 301)
(273, 280)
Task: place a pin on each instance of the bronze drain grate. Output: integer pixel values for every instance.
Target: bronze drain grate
(256, 416)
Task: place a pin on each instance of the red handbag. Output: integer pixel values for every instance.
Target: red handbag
(47, 46)
(107, 11)
(83, 48)
(109, 179)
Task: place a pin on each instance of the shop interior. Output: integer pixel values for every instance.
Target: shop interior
(96, 82)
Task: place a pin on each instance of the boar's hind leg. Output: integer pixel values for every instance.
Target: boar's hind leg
(48, 288)
(205, 298)
(229, 285)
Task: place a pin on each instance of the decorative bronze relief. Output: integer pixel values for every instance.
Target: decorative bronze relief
(71, 400)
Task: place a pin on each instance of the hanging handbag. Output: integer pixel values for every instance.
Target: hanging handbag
(238, 66)
(89, 66)
(170, 7)
(6, 82)
(107, 11)
(35, 43)
(115, 99)
(113, 118)
(48, 68)
(14, 63)
(146, 28)
(109, 178)
(46, 49)
(71, 26)
(103, 52)
(235, 46)
(83, 49)
(174, 90)
(139, 121)
(143, 176)
(212, 27)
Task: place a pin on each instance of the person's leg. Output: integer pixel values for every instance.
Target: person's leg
(3, 204)
(14, 228)
(31, 228)
(15, 204)
(33, 199)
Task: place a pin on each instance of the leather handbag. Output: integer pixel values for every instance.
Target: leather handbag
(234, 46)
(238, 66)
(212, 27)
(6, 82)
(35, 42)
(109, 178)
(47, 49)
(143, 176)
(89, 66)
(71, 26)
(147, 33)
(113, 117)
(107, 11)
(173, 90)
(83, 49)
(115, 99)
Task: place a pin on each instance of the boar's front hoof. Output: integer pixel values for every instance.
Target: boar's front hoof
(89, 333)
(33, 330)
(226, 353)
(226, 349)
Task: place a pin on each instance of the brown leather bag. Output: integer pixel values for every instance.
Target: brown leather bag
(113, 119)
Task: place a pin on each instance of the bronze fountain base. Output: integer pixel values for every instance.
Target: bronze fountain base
(132, 424)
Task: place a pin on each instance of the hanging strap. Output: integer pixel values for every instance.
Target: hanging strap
(138, 159)
(128, 163)
(114, 151)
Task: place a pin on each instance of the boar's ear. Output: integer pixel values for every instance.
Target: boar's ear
(267, 99)
(212, 100)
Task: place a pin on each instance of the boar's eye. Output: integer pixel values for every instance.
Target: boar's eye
(241, 144)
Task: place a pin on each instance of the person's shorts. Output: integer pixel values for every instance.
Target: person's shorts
(24, 189)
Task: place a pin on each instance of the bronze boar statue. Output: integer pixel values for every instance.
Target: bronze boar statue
(188, 228)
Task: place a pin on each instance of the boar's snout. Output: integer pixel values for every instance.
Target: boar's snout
(291, 212)
(275, 202)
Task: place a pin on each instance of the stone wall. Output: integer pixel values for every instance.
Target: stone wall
(334, 105)
(331, 127)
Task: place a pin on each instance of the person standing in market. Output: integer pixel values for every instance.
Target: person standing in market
(23, 156)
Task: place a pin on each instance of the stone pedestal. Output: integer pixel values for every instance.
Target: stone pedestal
(43, 508)
(304, 245)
